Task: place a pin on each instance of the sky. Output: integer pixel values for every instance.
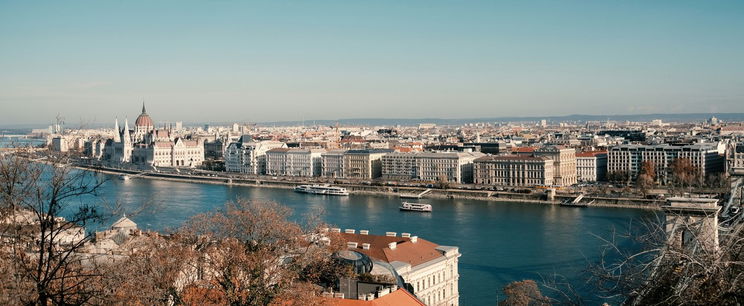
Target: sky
(256, 61)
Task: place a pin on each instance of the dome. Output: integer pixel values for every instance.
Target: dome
(144, 119)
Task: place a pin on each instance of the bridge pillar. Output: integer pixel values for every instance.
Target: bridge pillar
(692, 224)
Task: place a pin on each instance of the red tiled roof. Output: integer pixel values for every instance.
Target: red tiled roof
(590, 153)
(508, 157)
(398, 297)
(403, 149)
(405, 251)
(523, 149)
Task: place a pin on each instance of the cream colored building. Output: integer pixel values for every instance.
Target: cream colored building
(591, 166)
(364, 164)
(293, 162)
(513, 170)
(248, 156)
(332, 163)
(564, 164)
(430, 166)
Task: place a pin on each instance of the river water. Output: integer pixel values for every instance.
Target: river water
(499, 242)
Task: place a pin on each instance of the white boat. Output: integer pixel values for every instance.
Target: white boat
(407, 206)
(124, 177)
(322, 189)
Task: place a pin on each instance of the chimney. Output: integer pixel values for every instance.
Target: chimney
(363, 232)
(365, 246)
(351, 245)
(336, 230)
(391, 234)
(414, 239)
(405, 235)
(324, 230)
(392, 245)
(349, 231)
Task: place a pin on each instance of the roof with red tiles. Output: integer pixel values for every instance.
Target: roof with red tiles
(413, 253)
(590, 153)
(397, 297)
(523, 149)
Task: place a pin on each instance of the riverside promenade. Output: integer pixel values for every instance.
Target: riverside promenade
(224, 178)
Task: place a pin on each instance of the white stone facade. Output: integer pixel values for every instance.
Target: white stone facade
(363, 164)
(149, 147)
(513, 170)
(629, 158)
(564, 164)
(248, 156)
(591, 166)
(293, 162)
(332, 163)
(451, 166)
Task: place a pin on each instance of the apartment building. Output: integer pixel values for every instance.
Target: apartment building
(363, 164)
(564, 163)
(293, 162)
(629, 158)
(454, 167)
(591, 166)
(248, 156)
(513, 170)
(332, 163)
(430, 269)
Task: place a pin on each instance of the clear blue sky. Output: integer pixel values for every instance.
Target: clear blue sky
(289, 60)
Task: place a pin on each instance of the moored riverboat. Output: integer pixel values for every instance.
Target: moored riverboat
(322, 189)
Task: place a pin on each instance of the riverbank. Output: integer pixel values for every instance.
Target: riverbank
(491, 196)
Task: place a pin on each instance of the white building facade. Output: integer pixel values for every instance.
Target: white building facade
(628, 159)
(146, 146)
(591, 166)
(293, 162)
(248, 156)
(332, 163)
(454, 167)
(513, 170)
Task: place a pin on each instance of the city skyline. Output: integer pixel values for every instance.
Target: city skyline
(226, 61)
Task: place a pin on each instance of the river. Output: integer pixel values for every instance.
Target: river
(499, 242)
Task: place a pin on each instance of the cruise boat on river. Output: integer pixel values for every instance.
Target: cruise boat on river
(422, 207)
(322, 189)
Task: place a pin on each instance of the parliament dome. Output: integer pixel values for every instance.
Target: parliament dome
(144, 119)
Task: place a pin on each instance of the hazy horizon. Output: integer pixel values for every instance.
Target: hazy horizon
(234, 61)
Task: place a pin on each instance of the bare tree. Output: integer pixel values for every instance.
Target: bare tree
(661, 273)
(646, 177)
(684, 173)
(39, 248)
(253, 255)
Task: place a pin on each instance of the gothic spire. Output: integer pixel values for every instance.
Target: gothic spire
(117, 131)
(126, 136)
(143, 106)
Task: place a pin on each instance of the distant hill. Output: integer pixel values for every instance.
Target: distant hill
(688, 117)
